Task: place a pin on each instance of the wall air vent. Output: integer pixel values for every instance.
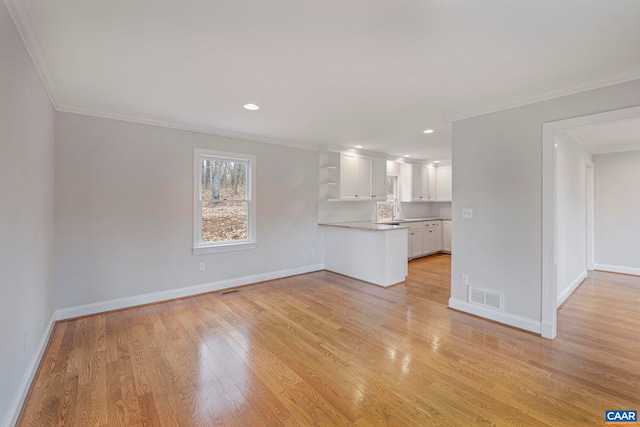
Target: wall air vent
(487, 298)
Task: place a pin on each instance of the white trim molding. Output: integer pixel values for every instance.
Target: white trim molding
(562, 297)
(497, 316)
(23, 388)
(634, 271)
(127, 302)
(557, 92)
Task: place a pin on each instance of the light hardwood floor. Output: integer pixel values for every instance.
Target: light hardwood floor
(323, 349)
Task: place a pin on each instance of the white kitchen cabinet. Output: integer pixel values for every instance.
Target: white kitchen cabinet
(446, 236)
(432, 182)
(422, 183)
(348, 175)
(415, 243)
(431, 237)
(443, 183)
(362, 177)
(379, 179)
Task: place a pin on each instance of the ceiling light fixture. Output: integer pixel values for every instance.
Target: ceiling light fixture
(252, 107)
(407, 155)
(358, 146)
(428, 131)
(436, 161)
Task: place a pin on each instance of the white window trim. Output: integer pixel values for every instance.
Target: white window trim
(207, 248)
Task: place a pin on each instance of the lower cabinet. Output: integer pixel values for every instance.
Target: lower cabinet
(415, 243)
(425, 238)
(446, 236)
(431, 237)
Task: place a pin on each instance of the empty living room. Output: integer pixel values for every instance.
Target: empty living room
(416, 213)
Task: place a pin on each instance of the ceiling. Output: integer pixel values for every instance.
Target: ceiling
(343, 72)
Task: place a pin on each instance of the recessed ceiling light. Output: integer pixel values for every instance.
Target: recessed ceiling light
(436, 161)
(358, 146)
(251, 107)
(428, 131)
(407, 155)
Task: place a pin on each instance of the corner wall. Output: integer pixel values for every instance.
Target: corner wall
(26, 218)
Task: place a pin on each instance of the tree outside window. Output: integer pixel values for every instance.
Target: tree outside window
(224, 200)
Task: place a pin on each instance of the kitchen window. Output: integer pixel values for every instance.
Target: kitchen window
(385, 209)
(224, 201)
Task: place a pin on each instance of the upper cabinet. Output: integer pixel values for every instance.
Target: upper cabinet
(443, 184)
(425, 183)
(351, 176)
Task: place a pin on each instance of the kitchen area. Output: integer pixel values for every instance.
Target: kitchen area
(378, 213)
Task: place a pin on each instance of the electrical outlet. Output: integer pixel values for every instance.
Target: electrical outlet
(464, 279)
(201, 266)
(467, 213)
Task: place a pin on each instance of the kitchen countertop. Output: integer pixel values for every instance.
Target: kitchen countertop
(414, 220)
(365, 225)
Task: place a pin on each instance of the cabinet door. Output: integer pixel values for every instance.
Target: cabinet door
(432, 180)
(379, 179)
(416, 243)
(364, 190)
(444, 183)
(431, 238)
(348, 176)
(424, 183)
(446, 236)
(416, 182)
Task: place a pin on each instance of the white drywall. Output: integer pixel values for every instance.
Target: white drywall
(124, 210)
(498, 173)
(617, 217)
(26, 216)
(571, 232)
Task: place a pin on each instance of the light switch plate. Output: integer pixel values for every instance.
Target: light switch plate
(467, 213)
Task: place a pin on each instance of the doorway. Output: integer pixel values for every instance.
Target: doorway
(550, 132)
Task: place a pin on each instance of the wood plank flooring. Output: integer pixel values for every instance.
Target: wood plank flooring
(322, 349)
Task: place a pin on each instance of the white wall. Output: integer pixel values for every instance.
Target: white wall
(571, 179)
(26, 214)
(498, 173)
(617, 216)
(124, 210)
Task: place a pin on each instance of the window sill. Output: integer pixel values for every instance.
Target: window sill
(229, 247)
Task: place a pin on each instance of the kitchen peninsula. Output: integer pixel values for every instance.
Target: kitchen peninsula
(375, 253)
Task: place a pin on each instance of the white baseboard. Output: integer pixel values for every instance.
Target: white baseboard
(617, 269)
(23, 388)
(548, 330)
(120, 303)
(498, 316)
(569, 289)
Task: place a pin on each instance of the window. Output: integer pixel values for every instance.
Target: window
(224, 201)
(385, 209)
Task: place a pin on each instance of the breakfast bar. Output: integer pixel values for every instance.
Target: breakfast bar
(375, 253)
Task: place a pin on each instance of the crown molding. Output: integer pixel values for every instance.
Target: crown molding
(578, 136)
(23, 20)
(564, 90)
(191, 127)
(620, 148)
